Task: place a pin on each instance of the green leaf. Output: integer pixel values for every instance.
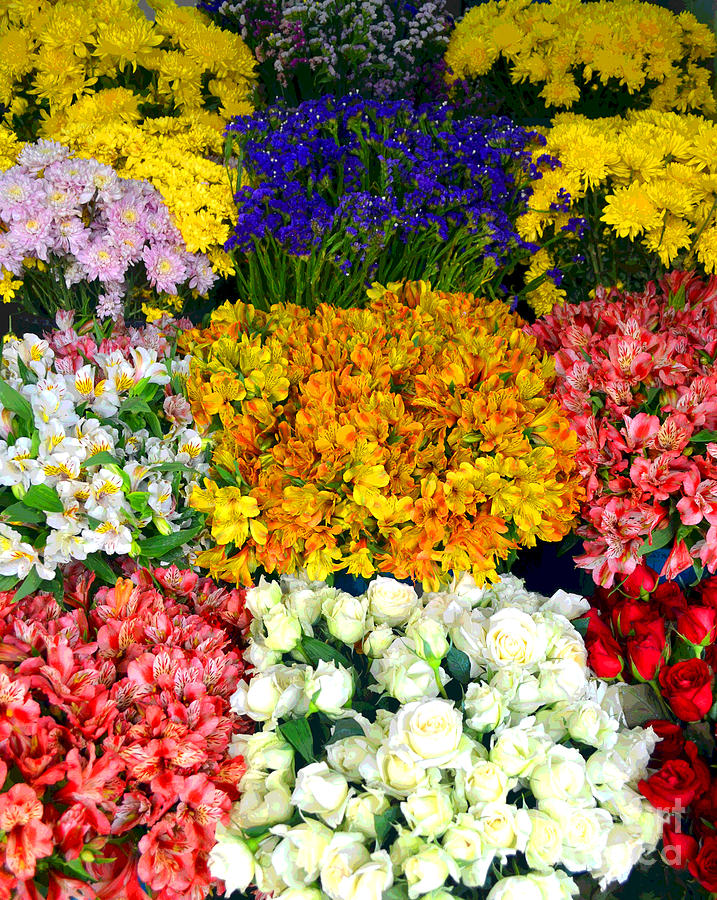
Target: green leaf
(138, 500)
(96, 563)
(41, 496)
(31, 583)
(103, 458)
(704, 437)
(298, 733)
(384, 823)
(458, 665)
(660, 538)
(567, 544)
(581, 625)
(8, 582)
(316, 651)
(396, 892)
(345, 728)
(15, 402)
(158, 546)
(27, 375)
(18, 512)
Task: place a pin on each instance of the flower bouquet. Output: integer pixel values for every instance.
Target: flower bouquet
(637, 380)
(73, 235)
(56, 52)
(661, 636)
(96, 455)
(383, 48)
(596, 59)
(454, 745)
(115, 736)
(630, 197)
(345, 191)
(417, 438)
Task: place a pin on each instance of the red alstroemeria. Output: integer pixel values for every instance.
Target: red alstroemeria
(28, 837)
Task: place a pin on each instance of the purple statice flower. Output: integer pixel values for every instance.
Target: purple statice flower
(114, 235)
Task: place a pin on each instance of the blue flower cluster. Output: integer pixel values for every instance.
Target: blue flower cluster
(384, 175)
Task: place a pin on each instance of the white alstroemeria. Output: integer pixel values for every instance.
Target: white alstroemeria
(55, 438)
(60, 466)
(51, 401)
(190, 447)
(113, 537)
(18, 466)
(32, 350)
(134, 442)
(161, 499)
(20, 558)
(158, 451)
(82, 384)
(137, 473)
(146, 366)
(72, 518)
(120, 377)
(106, 494)
(106, 401)
(96, 438)
(62, 547)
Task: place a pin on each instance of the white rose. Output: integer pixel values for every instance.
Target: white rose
(562, 679)
(390, 602)
(552, 719)
(345, 615)
(297, 857)
(463, 840)
(430, 730)
(467, 630)
(561, 775)
(545, 842)
(361, 809)
(636, 746)
(264, 750)
(428, 870)
(231, 860)
(486, 783)
(259, 656)
(400, 673)
(514, 638)
(429, 637)
(321, 792)
(302, 893)
(370, 880)
(404, 847)
(569, 645)
(305, 604)
(271, 694)
(264, 597)
(329, 687)
(505, 827)
(572, 606)
(397, 772)
(346, 755)
(266, 877)
(588, 723)
(515, 887)
(518, 750)
(636, 812)
(265, 799)
(428, 811)
(620, 855)
(585, 832)
(526, 696)
(377, 642)
(345, 855)
(283, 630)
(484, 707)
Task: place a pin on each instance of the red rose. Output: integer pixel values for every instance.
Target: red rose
(704, 812)
(669, 599)
(629, 614)
(646, 651)
(679, 848)
(704, 867)
(698, 624)
(711, 657)
(678, 782)
(672, 741)
(687, 687)
(642, 578)
(597, 626)
(708, 592)
(605, 656)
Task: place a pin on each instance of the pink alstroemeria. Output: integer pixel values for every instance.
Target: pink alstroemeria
(699, 501)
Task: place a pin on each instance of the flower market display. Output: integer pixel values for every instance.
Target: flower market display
(75, 236)
(117, 740)
(86, 467)
(343, 191)
(630, 197)
(304, 49)
(358, 450)
(664, 637)
(593, 58)
(417, 438)
(453, 740)
(637, 379)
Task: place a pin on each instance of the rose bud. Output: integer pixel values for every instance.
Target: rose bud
(708, 592)
(678, 782)
(704, 812)
(605, 656)
(698, 625)
(678, 848)
(646, 651)
(630, 613)
(641, 579)
(669, 599)
(704, 866)
(672, 741)
(687, 687)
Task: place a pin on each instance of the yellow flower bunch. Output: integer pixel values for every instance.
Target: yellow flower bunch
(417, 437)
(646, 186)
(180, 156)
(55, 52)
(593, 57)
